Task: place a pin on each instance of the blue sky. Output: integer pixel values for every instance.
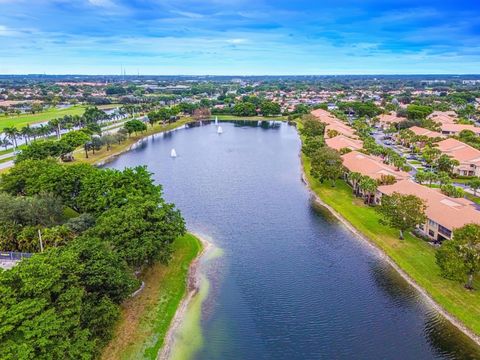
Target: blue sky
(239, 37)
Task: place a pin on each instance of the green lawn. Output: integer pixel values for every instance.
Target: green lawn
(7, 159)
(414, 256)
(29, 119)
(145, 319)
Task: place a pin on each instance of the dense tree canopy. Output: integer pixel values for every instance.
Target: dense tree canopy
(402, 212)
(96, 227)
(459, 258)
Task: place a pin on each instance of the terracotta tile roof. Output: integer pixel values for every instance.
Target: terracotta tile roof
(449, 212)
(460, 151)
(390, 118)
(341, 141)
(456, 128)
(341, 128)
(333, 123)
(370, 166)
(425, 132)
(444, 117)
(325, 116)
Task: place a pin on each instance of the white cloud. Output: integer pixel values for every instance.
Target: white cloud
(102, 3)
(237, 41)
(5, 31)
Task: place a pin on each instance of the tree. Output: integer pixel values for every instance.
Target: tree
(459, 258)
(421, 176)
(312, 144)
(135, 126)
(244, 109)
(141, 231)
(452, 191)
(354, 178)
(326, 165)
(269, 108)
(474, 184)
(12, 133)
(313, 127)
(42, 149)
(367, 186)
(75, 138)
(386, 180)
(402, 212)
(446, 163)
(418, 112)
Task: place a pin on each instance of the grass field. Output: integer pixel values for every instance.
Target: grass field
(414, 256)
(145, 319)
(29, 119)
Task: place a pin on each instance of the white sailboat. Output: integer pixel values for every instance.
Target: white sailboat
(219, 130)
(173, 153)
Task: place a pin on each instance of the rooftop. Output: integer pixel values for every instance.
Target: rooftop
(370, 166)
(449, 212)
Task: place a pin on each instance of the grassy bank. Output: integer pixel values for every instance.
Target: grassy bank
(253, 118)
(414, 256)
(146, 318)
(29, 119)
(104, 154)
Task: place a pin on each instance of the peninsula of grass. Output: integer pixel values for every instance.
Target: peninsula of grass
(22, 120)
(414, 256)
(145, 318)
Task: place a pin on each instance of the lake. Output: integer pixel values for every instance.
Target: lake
(292, 282)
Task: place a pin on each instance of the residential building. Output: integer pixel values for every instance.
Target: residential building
(444, 213)
(341, 142)
(467, 156)
(419, 131)
(371, 166)
(455, 129)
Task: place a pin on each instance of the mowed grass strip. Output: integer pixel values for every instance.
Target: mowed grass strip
(145, 319)
(22, 120)
(415, 256)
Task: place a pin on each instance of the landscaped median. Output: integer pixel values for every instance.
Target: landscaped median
(412, 255)
(146, 318)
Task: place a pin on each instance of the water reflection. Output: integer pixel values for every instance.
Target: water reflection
(445, 340)
(293, 282)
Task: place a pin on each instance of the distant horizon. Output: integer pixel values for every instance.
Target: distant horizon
(242, 75)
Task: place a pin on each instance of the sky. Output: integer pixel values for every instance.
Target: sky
(239, 37)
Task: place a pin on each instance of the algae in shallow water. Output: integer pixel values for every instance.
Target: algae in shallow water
(189, 338)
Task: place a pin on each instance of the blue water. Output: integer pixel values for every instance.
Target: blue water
(293, 283)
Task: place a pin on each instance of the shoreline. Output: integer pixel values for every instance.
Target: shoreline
(193, 287)
(384, 256)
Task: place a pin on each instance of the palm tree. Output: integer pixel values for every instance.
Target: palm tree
(368, 186)
(5, 143)
(354, 178)
(55, 124)
(26, 132)
(12, 133)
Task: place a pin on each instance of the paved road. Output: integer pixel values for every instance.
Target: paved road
(379, 135)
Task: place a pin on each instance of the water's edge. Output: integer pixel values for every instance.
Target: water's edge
(367, 241)
(193, 287)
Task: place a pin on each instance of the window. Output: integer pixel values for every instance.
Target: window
(432, 223)
(444, 231)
